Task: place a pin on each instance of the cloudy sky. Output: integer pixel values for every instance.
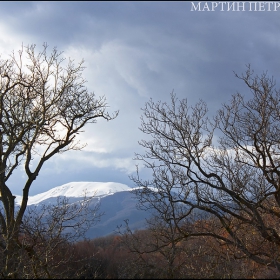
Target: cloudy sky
(135, 51)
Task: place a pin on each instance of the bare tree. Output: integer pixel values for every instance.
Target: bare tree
(44, 104)
(48, 236)
(225, 169)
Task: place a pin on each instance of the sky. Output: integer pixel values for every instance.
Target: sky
(135, 51)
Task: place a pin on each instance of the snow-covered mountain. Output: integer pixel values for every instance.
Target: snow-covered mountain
(77, 190)
(116, 201)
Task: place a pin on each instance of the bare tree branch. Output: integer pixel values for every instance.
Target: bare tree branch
(44, 104)
(235, 180)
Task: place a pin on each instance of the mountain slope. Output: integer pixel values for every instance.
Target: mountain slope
(116, 201)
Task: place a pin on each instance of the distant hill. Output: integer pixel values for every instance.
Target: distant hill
(116, 201)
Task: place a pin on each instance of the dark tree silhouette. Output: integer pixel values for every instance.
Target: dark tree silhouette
(225, 169)
(44, 104)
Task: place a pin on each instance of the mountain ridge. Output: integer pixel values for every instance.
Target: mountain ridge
(78, 190)
(117, 202)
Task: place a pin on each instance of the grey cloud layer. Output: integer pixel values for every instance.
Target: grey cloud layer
(137, 50)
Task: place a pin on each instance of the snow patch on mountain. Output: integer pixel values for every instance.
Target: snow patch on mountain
(77, 189)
